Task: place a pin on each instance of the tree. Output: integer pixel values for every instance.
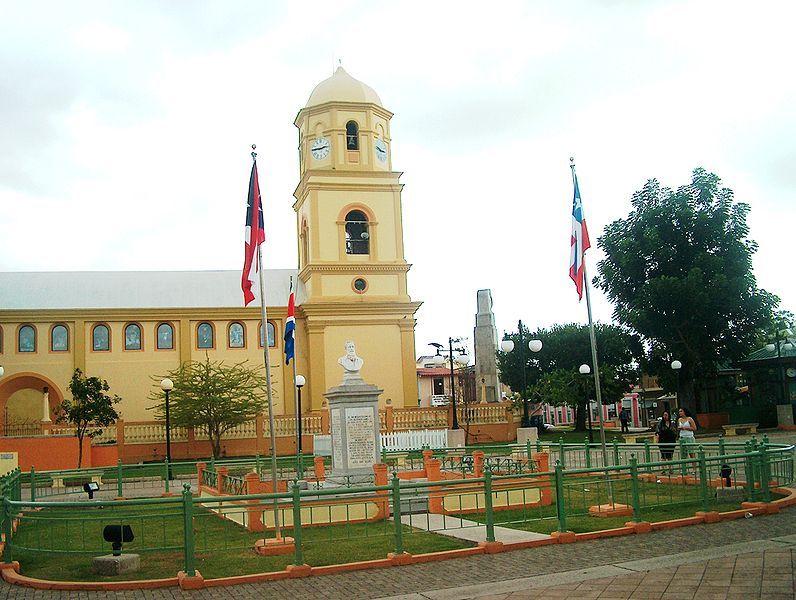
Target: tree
(89, 410)
(678, 270)
(213, 396)
(552, 373)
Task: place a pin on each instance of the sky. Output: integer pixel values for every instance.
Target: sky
(125, 132)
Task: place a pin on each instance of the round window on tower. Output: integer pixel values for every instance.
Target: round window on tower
(360, 285)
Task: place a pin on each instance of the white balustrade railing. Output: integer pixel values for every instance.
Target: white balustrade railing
(152, 433)
(482, 414)
(414, 440)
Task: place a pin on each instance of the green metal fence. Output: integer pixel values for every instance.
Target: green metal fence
(359, 522)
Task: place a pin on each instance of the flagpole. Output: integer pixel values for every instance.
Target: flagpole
(299, 462)
(267, 362)
(596, 371)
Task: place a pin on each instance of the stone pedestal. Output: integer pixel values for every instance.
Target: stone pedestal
(116, 565)
(455, 438)
(527, 433)
(354, 427)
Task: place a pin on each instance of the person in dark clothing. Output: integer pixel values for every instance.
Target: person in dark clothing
(623, 418)
(666, 436)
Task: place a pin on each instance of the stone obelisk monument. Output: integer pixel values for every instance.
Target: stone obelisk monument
(354, 421)
(486, 376)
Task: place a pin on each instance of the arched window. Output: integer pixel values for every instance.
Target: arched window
(26, 341)
(236, 337)
(59, 339)
(204, 336)
(132, 337)
(271, 335)
(352, 135)
(165, 337)
(100, 338)
(357, 236)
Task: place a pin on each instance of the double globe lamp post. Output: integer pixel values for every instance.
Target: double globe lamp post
(534, 346)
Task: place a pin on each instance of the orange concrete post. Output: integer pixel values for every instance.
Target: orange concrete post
(542, 460)
(320, 473)
(222, 473)
(389, 418)
(427, 455)
(478, 463)
(434, 473)
(253, 511)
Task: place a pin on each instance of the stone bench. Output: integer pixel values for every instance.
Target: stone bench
(740, 428)
(639, 438)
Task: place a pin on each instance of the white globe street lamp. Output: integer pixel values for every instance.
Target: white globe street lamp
(533, 346)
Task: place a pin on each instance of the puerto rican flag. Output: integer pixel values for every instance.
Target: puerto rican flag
(255, 235)
(290, 327)
(579, 242)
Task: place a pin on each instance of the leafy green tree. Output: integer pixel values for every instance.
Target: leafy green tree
(213, 396)
(678, 270)
(553, 375)
(89, 410)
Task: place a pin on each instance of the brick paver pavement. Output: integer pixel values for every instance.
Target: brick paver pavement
(508, 566)
(767, 575)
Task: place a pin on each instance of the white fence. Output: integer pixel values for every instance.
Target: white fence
(414, 440)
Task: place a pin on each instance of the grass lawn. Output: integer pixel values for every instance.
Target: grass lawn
(659, 502)
(62, 542)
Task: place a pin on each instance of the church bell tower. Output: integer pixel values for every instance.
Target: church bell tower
(351, 252)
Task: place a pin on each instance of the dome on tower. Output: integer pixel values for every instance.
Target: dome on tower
(341, 87)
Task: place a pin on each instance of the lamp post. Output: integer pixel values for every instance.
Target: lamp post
(676, 366)
(461, 358)
(300, 382)
(585, 370)
(533, 346)
(167, 385)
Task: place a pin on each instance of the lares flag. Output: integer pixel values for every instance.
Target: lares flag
(254, 236)
(579, 243)
(290, 327)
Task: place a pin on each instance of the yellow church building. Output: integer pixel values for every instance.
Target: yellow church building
(133, 327)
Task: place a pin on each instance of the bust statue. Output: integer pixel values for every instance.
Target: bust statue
(351, 363)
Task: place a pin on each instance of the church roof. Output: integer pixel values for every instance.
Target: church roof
(138, 289)
(341, 87)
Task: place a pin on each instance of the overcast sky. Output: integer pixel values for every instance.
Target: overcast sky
(125, 130)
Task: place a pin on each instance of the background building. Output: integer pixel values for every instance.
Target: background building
(132, 327)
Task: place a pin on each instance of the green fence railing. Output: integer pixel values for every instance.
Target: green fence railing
(360, 522)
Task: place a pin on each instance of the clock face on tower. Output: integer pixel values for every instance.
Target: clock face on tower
(320, 148)
(381, 149)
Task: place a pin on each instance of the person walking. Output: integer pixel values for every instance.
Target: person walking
(623, 419)
(665, 437)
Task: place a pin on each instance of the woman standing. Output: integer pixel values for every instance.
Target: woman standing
(686, 426)
(665, 436)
